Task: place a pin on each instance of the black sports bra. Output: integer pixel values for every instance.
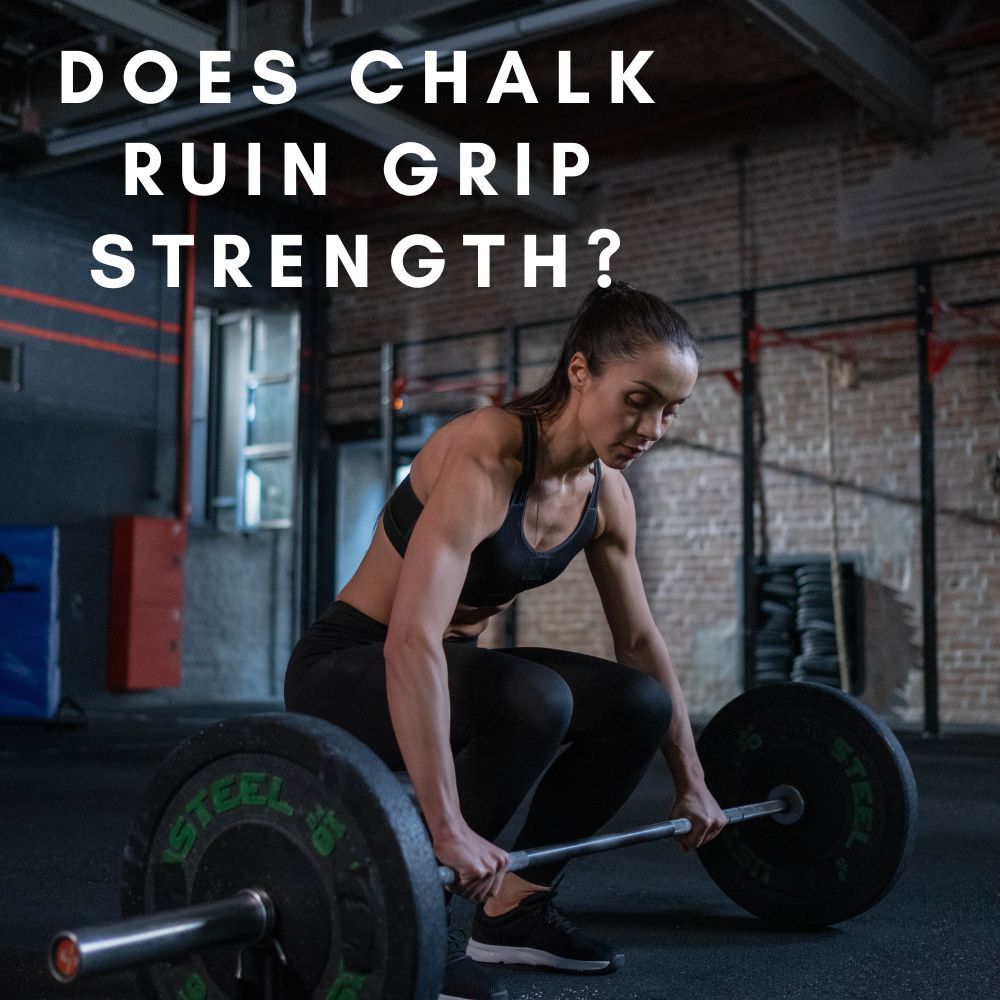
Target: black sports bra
(503, 564)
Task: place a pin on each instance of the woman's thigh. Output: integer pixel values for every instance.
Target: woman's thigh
(347, 687)
(608, 698)
(492, 693)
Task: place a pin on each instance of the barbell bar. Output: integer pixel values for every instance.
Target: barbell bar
(249, 916)
(784, 801)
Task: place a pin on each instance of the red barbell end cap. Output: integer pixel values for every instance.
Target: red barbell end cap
(65, 958)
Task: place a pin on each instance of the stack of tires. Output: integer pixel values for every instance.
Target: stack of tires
(776, 631)
(796, 634)
(814, 619)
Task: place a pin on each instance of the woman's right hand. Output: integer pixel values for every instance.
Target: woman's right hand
(480, 865)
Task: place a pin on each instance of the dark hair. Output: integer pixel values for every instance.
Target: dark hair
(612, 323)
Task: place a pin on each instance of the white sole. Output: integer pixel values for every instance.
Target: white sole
(499, 954)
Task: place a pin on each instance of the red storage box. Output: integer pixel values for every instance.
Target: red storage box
(147, 603)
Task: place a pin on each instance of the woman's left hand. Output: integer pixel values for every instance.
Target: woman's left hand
(697, 804)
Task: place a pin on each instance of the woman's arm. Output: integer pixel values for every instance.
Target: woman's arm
(467, 501)
(638, 643)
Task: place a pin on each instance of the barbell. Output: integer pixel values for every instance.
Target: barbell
(277, 848)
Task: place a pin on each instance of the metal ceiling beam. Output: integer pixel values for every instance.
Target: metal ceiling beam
(280, 23)
(851, 44)
(178, 119)
(385, 128)
(146, 24)
(373, 17)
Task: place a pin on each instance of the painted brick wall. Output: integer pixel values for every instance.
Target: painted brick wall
(831, 195)
(91, 435)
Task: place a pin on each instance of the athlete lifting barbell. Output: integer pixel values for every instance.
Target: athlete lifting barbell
(498, 502)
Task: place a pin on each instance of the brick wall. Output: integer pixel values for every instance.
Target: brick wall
(834, 194)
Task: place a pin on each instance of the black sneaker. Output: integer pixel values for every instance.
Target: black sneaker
(536, 933)
(463, 979)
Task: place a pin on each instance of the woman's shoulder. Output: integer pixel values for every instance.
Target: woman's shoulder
(489, 433)
(615, 506)
(614, 486)
(487, 440)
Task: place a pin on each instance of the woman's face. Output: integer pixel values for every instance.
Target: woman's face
(625, 410)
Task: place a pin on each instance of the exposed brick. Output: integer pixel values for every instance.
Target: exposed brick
(679, 221)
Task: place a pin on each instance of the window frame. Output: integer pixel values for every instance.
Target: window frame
(222, 496)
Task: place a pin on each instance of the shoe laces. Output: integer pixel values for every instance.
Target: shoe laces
(552, 915)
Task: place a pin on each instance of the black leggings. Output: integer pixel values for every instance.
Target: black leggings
(511, 711)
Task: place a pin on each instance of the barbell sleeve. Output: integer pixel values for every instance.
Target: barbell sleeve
(244, 918)
(787, 800)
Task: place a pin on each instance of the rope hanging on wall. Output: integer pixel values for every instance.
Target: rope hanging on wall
(843, 661)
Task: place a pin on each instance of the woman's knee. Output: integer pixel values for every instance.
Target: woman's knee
(540, 704)
(645, 707)
(498, 691)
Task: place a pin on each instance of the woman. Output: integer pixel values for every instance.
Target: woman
(498, 501)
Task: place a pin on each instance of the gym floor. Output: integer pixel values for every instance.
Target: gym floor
(70, 794)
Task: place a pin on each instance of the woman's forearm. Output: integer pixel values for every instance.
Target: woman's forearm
(417, 689)
(678, 747)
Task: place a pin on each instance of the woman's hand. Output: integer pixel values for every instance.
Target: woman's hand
(479, 864)
(696, 803)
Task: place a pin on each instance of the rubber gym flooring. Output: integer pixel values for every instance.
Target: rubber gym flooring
(69, 794)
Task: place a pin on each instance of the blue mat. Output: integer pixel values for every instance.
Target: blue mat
(29, 621)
